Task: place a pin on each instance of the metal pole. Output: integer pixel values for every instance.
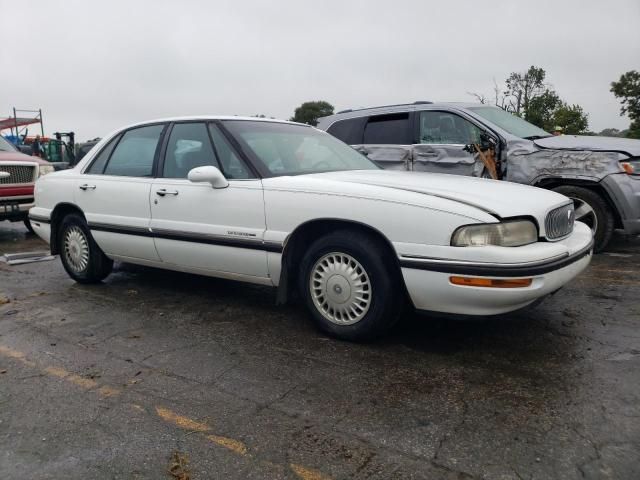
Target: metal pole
(15, 122)
(41, 124)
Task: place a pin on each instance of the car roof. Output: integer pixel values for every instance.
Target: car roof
(209, 117)
(324, 122)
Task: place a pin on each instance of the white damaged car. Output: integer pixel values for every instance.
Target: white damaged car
(286, 205)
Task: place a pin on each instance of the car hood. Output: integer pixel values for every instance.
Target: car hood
(499, 198)
(583, 142)
(20, 157)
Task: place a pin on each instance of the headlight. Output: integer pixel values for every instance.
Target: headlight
(44, 169)
(506, 234)
(632, 167)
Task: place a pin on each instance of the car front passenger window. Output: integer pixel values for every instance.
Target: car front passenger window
(189, 147)
(446, 128)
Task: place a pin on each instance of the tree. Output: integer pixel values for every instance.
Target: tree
(527, 95)
(627, 88)
(522, 88)
(610, 132)
(571, 118)
(541, 109)
(309, 112)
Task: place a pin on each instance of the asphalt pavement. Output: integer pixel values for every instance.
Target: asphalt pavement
(156, 374)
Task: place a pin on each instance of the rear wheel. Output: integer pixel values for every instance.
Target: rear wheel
(81, 257)
(592, 210)
(350, 286)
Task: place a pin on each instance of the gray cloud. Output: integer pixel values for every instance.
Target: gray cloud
(95, 66)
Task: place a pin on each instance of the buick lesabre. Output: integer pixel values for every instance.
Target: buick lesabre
(287, 205)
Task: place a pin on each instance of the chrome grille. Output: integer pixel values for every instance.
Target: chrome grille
(17, 174)
(559, 222)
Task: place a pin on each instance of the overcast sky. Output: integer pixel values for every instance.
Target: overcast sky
(93, 66)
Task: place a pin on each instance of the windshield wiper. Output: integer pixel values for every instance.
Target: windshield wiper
(536, 137)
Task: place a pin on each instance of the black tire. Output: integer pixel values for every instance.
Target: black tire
(98, 265)
(386, 290)
(604, 221)
(27, 223)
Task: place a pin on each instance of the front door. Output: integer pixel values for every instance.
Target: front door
(113, 192)
(197, 226)
(442, 138)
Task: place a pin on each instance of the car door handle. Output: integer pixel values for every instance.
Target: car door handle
(87, 187)
(163, 191)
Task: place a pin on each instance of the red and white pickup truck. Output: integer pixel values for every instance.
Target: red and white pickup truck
(18, 175)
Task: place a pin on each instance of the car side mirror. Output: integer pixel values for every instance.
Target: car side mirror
(208, 174)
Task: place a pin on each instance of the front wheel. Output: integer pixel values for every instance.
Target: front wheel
(81, 257)
(592, 210)
(350, 285)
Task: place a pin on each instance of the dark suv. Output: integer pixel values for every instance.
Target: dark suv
(600, 174)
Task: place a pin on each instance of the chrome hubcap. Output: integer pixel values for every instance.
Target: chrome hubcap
(76, 249)
(585, 213)
(340, 288)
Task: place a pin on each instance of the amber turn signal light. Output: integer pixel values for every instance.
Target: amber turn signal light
(628, 168)
(491, 282)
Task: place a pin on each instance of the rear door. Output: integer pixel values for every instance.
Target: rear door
(387, 140)
(441, 140)
(113, 193)
(198, 226)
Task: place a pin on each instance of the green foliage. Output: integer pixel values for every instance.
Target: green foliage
(612, 132)
(541, 110)
(522, 88)
(634, 130)
(527, 95)
(571, 118)
(627, 88)
(309, 112)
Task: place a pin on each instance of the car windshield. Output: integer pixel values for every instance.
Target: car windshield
(5, 146)
(510, 123)
(286, 149)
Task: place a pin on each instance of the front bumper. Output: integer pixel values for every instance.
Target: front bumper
(15, 208)
(429, 286)
(624, 191)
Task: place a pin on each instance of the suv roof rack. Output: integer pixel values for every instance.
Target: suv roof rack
(417, 102)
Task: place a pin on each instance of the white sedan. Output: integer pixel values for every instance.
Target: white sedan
(286, 205)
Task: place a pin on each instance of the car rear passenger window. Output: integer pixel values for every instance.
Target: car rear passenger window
(97, 166)
(189, 147)
(134, 154)
(393, 129)
(447, 128)
(349, 130)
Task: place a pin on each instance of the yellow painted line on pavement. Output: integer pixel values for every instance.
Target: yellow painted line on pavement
(8, 352)
(181, 421)
(57, 372)
(306, 473)
(61, 373)
(108, 391)
(231, 444)
(235, 446)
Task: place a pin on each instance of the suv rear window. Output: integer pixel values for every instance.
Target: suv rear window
(393, 129)
(349, 130)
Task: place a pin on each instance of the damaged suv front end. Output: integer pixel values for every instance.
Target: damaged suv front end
(600, 174)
